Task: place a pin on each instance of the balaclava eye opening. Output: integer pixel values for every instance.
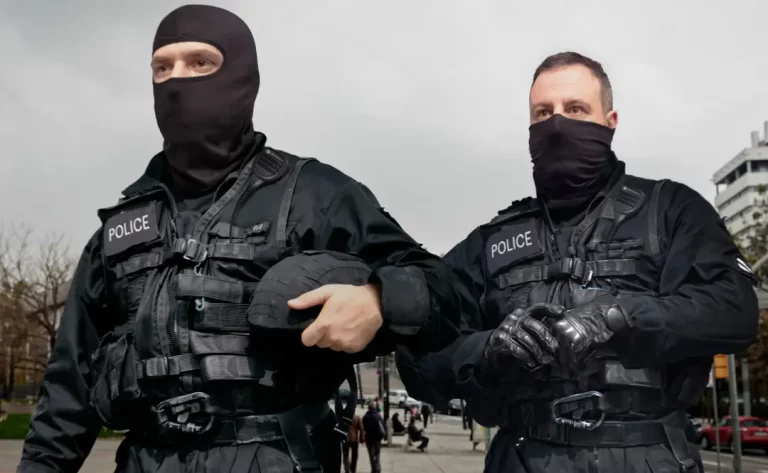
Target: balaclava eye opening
(207, 121)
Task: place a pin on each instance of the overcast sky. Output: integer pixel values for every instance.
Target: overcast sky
(423, 101)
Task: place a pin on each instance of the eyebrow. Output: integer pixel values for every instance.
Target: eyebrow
(200, 52)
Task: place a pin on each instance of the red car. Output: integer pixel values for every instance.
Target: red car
(754, 433)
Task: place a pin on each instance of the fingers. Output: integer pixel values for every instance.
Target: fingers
(517, 343)
(522, 355)
(542, 311)
(504, 346)
(524, 339)
(312, 298)
(314, 335)
(541, 334)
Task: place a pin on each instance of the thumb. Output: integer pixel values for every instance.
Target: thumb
(314, 333)
(311, 299)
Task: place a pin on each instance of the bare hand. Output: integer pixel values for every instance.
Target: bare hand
(349, 320)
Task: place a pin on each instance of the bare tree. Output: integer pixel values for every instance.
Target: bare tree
(49, 284)
(34, 281)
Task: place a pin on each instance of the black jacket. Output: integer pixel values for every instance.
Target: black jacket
(696, 301)
(328, 211)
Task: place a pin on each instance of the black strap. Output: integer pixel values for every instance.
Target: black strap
(211, 343)
(281, 235)
(242, 430)
(674, 427)
(653, 225)
(208, 287)
(166, 366)
(294, 427)
(567, 268)
(227, 230)
(609, 434)
(669, 430)
(138, 262)
(234, 368)
(613, 403)
(345, 414)
(212, 368)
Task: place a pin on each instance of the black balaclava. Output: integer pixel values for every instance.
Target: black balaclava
(207, 121)
(572, 160)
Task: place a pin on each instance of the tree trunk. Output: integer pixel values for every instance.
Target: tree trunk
(11, 377)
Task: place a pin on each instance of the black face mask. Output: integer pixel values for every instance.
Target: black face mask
(207, 121)
(572, 160)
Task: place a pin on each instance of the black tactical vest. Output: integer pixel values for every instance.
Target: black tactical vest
(180, 301)
(613, 250)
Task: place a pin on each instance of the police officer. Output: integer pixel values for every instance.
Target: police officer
(605, 299)
(155, 336)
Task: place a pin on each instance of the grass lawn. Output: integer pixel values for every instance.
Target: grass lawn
(15, 427)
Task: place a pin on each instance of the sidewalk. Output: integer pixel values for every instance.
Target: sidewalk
(449, 451)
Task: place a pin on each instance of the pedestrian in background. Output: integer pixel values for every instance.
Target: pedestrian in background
(373, 427)
(355, 436)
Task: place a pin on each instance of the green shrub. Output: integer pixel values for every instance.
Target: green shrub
(16, 426)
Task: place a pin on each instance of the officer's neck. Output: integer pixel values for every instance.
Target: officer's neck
(569, 214)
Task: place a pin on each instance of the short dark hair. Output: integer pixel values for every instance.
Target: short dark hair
(570, 58)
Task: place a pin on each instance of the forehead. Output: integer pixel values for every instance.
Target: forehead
(185, 48)
(575, 81)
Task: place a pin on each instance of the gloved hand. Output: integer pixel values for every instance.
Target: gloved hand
(523, 339)
(581, 329)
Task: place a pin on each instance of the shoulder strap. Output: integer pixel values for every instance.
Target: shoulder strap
(281, 233)
(653, 224)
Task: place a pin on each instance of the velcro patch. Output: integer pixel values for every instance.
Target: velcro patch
(129, 229)
(512, 243)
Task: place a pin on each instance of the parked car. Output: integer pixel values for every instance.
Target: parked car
(401, 399)
(754, 433)
(398, 397)
(696, 428)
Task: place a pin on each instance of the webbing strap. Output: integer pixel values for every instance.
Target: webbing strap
(137, 263)
(618, 402)
(166, 366)
(227, 230)
(207, 287)
(567, 268)
(221, 317)
(299, 443)
(281, 235)
(234, 368)
(233, 251)
(207, 343)
(197, 252)
(212, 368)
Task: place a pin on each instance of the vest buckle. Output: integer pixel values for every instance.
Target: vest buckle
(187, 414)
(195, 251)
(559, 411)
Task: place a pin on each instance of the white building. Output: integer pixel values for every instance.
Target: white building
(738, 184)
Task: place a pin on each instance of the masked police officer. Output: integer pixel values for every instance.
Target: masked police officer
(605, 299)
(154, 338)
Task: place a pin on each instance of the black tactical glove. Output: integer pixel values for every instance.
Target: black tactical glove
(522, 339)
(580, 330)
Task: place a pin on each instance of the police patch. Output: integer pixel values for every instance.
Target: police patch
(129, 229)
(510, 244)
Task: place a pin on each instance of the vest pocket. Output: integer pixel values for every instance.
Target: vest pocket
(115, 387)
